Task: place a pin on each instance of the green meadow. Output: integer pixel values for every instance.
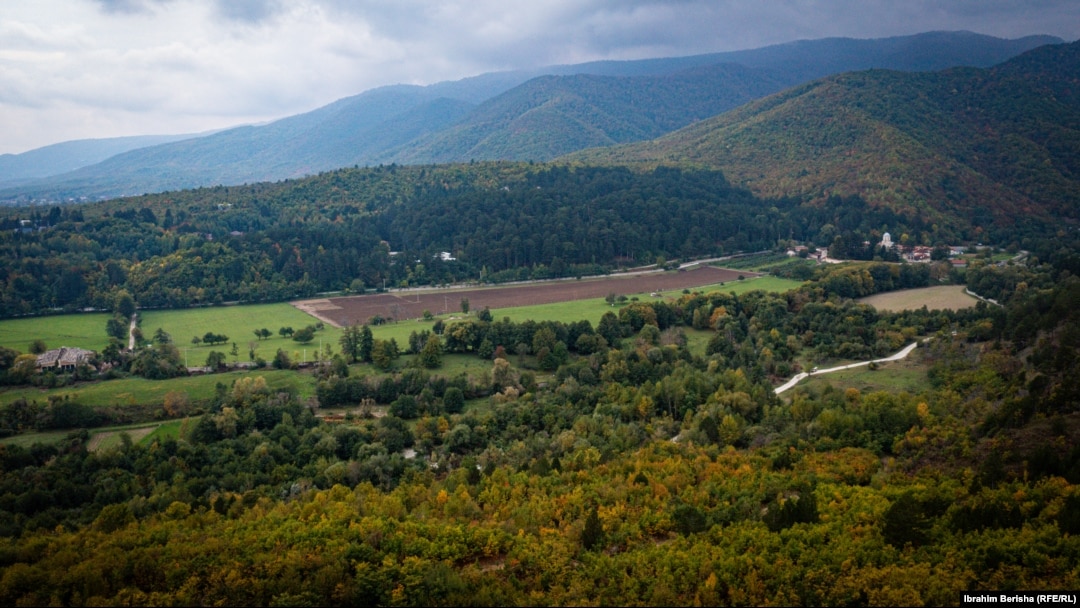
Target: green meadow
(106, 437)
(130, 391)
(239, 324)
(894, 376)
(766, 283)
(592, 309)
(84, 330)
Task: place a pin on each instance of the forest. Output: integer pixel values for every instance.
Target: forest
(608, 464)
(367, 229)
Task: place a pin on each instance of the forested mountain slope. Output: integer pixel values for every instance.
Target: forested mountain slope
(990, 145)
(554, 115)
(537, 120)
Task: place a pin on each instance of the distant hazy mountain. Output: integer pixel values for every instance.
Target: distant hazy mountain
(987, 145)
(70, 155)
(535, 114)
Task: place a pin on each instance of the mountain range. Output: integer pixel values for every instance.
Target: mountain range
(992, 146)
(70, 155)
(523, 115)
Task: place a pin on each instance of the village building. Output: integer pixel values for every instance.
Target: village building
(803, 251)
(64, 359)
(918, 253)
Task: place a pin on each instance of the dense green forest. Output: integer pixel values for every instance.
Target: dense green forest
(637, 472)
(992, 146)
(337, 231)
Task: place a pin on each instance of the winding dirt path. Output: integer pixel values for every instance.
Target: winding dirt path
(802, 376)
(131, 332)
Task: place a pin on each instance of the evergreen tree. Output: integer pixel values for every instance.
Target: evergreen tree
(365, 344)
(593, 534)
(431, 354)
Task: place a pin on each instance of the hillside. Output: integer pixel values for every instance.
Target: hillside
(70, 155)
(535, 114)
(990, 145)
(555, 115)
(299, 145)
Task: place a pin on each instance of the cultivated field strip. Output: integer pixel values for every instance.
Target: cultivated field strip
(401, 305)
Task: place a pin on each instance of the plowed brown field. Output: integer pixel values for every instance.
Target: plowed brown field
(402, 305)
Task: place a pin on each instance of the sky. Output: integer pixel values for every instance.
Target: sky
(75, 69)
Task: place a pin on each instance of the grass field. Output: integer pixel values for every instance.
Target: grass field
(895, 376)
(761, 262)
(239, 323)
(26, 440)
(104, 440)
(129, 391)
(942, 297)
(80, 330)
(106, 437)
(567, 312)
(773, 284)
(452, 365)
(594, 308)
(172, 428)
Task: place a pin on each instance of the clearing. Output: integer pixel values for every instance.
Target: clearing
(107, 439)
(942, 297)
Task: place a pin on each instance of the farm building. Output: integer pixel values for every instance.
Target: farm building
(65, 358)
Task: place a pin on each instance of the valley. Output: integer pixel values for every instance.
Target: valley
(408, 305)
(698, 364)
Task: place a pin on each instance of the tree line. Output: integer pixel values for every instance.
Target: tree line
(337, 231)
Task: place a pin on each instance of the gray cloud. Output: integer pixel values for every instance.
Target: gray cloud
(129, 6)
(251, 11)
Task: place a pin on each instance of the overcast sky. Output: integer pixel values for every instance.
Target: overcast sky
(72, 69)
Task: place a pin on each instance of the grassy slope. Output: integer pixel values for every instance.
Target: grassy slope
(941, 297)
(895, 376)
(129, 391)
(239, 323)
(146, 431)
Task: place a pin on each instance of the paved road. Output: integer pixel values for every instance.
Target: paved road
(800, 377)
